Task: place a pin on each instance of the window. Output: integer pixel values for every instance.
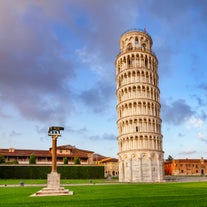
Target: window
(143, 46)
(129, 46)
(137, 128)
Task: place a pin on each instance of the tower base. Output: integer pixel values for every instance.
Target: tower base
(141, 167)
(53, 187)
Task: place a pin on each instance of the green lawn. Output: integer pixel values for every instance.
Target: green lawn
(110, 195)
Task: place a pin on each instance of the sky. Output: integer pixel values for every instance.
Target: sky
(57, 68)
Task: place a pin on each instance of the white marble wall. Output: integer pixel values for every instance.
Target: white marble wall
(141, 167)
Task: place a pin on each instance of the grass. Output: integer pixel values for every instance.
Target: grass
(119, 195)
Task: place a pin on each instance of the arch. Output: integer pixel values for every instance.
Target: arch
(134, 88)
(148, 92)
(143, 76)
(146, 62)
(147, 77)
(150, 62)
(138, 75)
(128, 61)
(143, 46)
(137, 60)
(129, 46)
(124, 59)
(136, 41)
(150, 78)
(133, 73)
(130, 105)
(132, 58)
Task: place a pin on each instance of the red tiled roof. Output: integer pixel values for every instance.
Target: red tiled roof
(25, 152)
(45, 153)
(65, 147)
(98, 157)
(186, 160)
(72, 147)
(110, 160)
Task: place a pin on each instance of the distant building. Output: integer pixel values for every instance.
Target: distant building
(111, 166)
(186, 167)
(45, 156)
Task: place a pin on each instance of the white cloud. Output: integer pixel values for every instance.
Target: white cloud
(202, 137)
(187, 152)
(194, 122)
(91, 59)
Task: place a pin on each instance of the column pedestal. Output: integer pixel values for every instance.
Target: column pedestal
(53, 180)
(53, 187)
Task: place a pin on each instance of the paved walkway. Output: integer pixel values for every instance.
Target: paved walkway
(167, 179)
(185, 178)
(63, 185)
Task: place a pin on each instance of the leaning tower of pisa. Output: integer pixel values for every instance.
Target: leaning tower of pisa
(138, 109)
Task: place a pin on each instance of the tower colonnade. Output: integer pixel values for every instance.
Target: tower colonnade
(131, 107)
(147, 142)
(138, 110)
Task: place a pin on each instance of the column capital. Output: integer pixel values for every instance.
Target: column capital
(55, 137)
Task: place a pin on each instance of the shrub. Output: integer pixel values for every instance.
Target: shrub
(13, 162)
(2, 159)
(32, 159)
(40, 172)
(65, 160)
(76, 160)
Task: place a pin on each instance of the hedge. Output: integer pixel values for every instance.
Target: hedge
(40, 172)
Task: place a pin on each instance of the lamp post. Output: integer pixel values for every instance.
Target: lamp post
(54, 132)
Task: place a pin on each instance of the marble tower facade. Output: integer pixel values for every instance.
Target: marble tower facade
(140, 150)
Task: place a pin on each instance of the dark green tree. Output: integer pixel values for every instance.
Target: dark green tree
(76, 160)
(32, 159)
(170, 158)
(15, 162)
(65, 160)
(2, 159)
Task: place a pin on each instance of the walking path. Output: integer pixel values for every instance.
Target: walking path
(167, 179)
(185, 178)
(62, 185)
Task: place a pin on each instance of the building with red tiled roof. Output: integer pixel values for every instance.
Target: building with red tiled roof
(111, 167)
(97, 158)
(45, 156)
(186, 167)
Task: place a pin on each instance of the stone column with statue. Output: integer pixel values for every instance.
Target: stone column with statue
(53, 179)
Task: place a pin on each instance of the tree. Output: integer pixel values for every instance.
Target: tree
(170, 158)
(65, 160)
(2, 159)
(76, 160)
(13, 162)
(32, 159)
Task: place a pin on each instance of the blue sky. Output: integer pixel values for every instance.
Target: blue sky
(57, 68)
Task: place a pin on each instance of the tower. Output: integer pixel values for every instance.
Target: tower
(138, 110)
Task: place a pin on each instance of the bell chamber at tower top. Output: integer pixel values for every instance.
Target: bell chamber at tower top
(135, 40)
